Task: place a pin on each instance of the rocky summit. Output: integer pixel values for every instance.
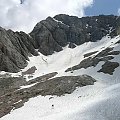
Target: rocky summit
(67, 68)
(51, 35)
(54, 33)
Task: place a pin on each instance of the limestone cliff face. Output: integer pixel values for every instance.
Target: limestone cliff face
(15, 47)
(52, 35)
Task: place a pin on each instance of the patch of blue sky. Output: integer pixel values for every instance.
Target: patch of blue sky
(105, 7)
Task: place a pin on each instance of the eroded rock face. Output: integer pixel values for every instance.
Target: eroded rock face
(15, 47)
(54, 33)
(109, 67)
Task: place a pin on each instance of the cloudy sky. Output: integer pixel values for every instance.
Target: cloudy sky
(17, 16)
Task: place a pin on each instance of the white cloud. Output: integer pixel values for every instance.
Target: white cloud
(24, 16)
(119, 11)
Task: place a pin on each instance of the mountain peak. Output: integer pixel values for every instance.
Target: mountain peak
(51, 35)
(65, 63)
(63, 29)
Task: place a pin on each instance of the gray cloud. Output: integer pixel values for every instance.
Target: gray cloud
(16, 16)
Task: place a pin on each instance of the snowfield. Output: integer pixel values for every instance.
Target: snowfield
(100, 101)
(60, 61)
(96, 102)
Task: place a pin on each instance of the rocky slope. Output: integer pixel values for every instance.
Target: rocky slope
(51, 35)
(65, 58)
(54, 33)
(15, 47)
(105, 55)
(16, 91)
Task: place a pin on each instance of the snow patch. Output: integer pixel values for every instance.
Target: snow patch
(27, 86)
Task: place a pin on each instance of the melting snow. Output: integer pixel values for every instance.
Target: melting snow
(60, 61)
(27, 86)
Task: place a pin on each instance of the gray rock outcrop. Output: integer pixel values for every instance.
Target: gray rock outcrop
(51, 35)
(15, 47)
(54, 33)
(105, 55)
(12, 96)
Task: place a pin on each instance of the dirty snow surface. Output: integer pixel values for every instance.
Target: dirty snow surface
(100, 101)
